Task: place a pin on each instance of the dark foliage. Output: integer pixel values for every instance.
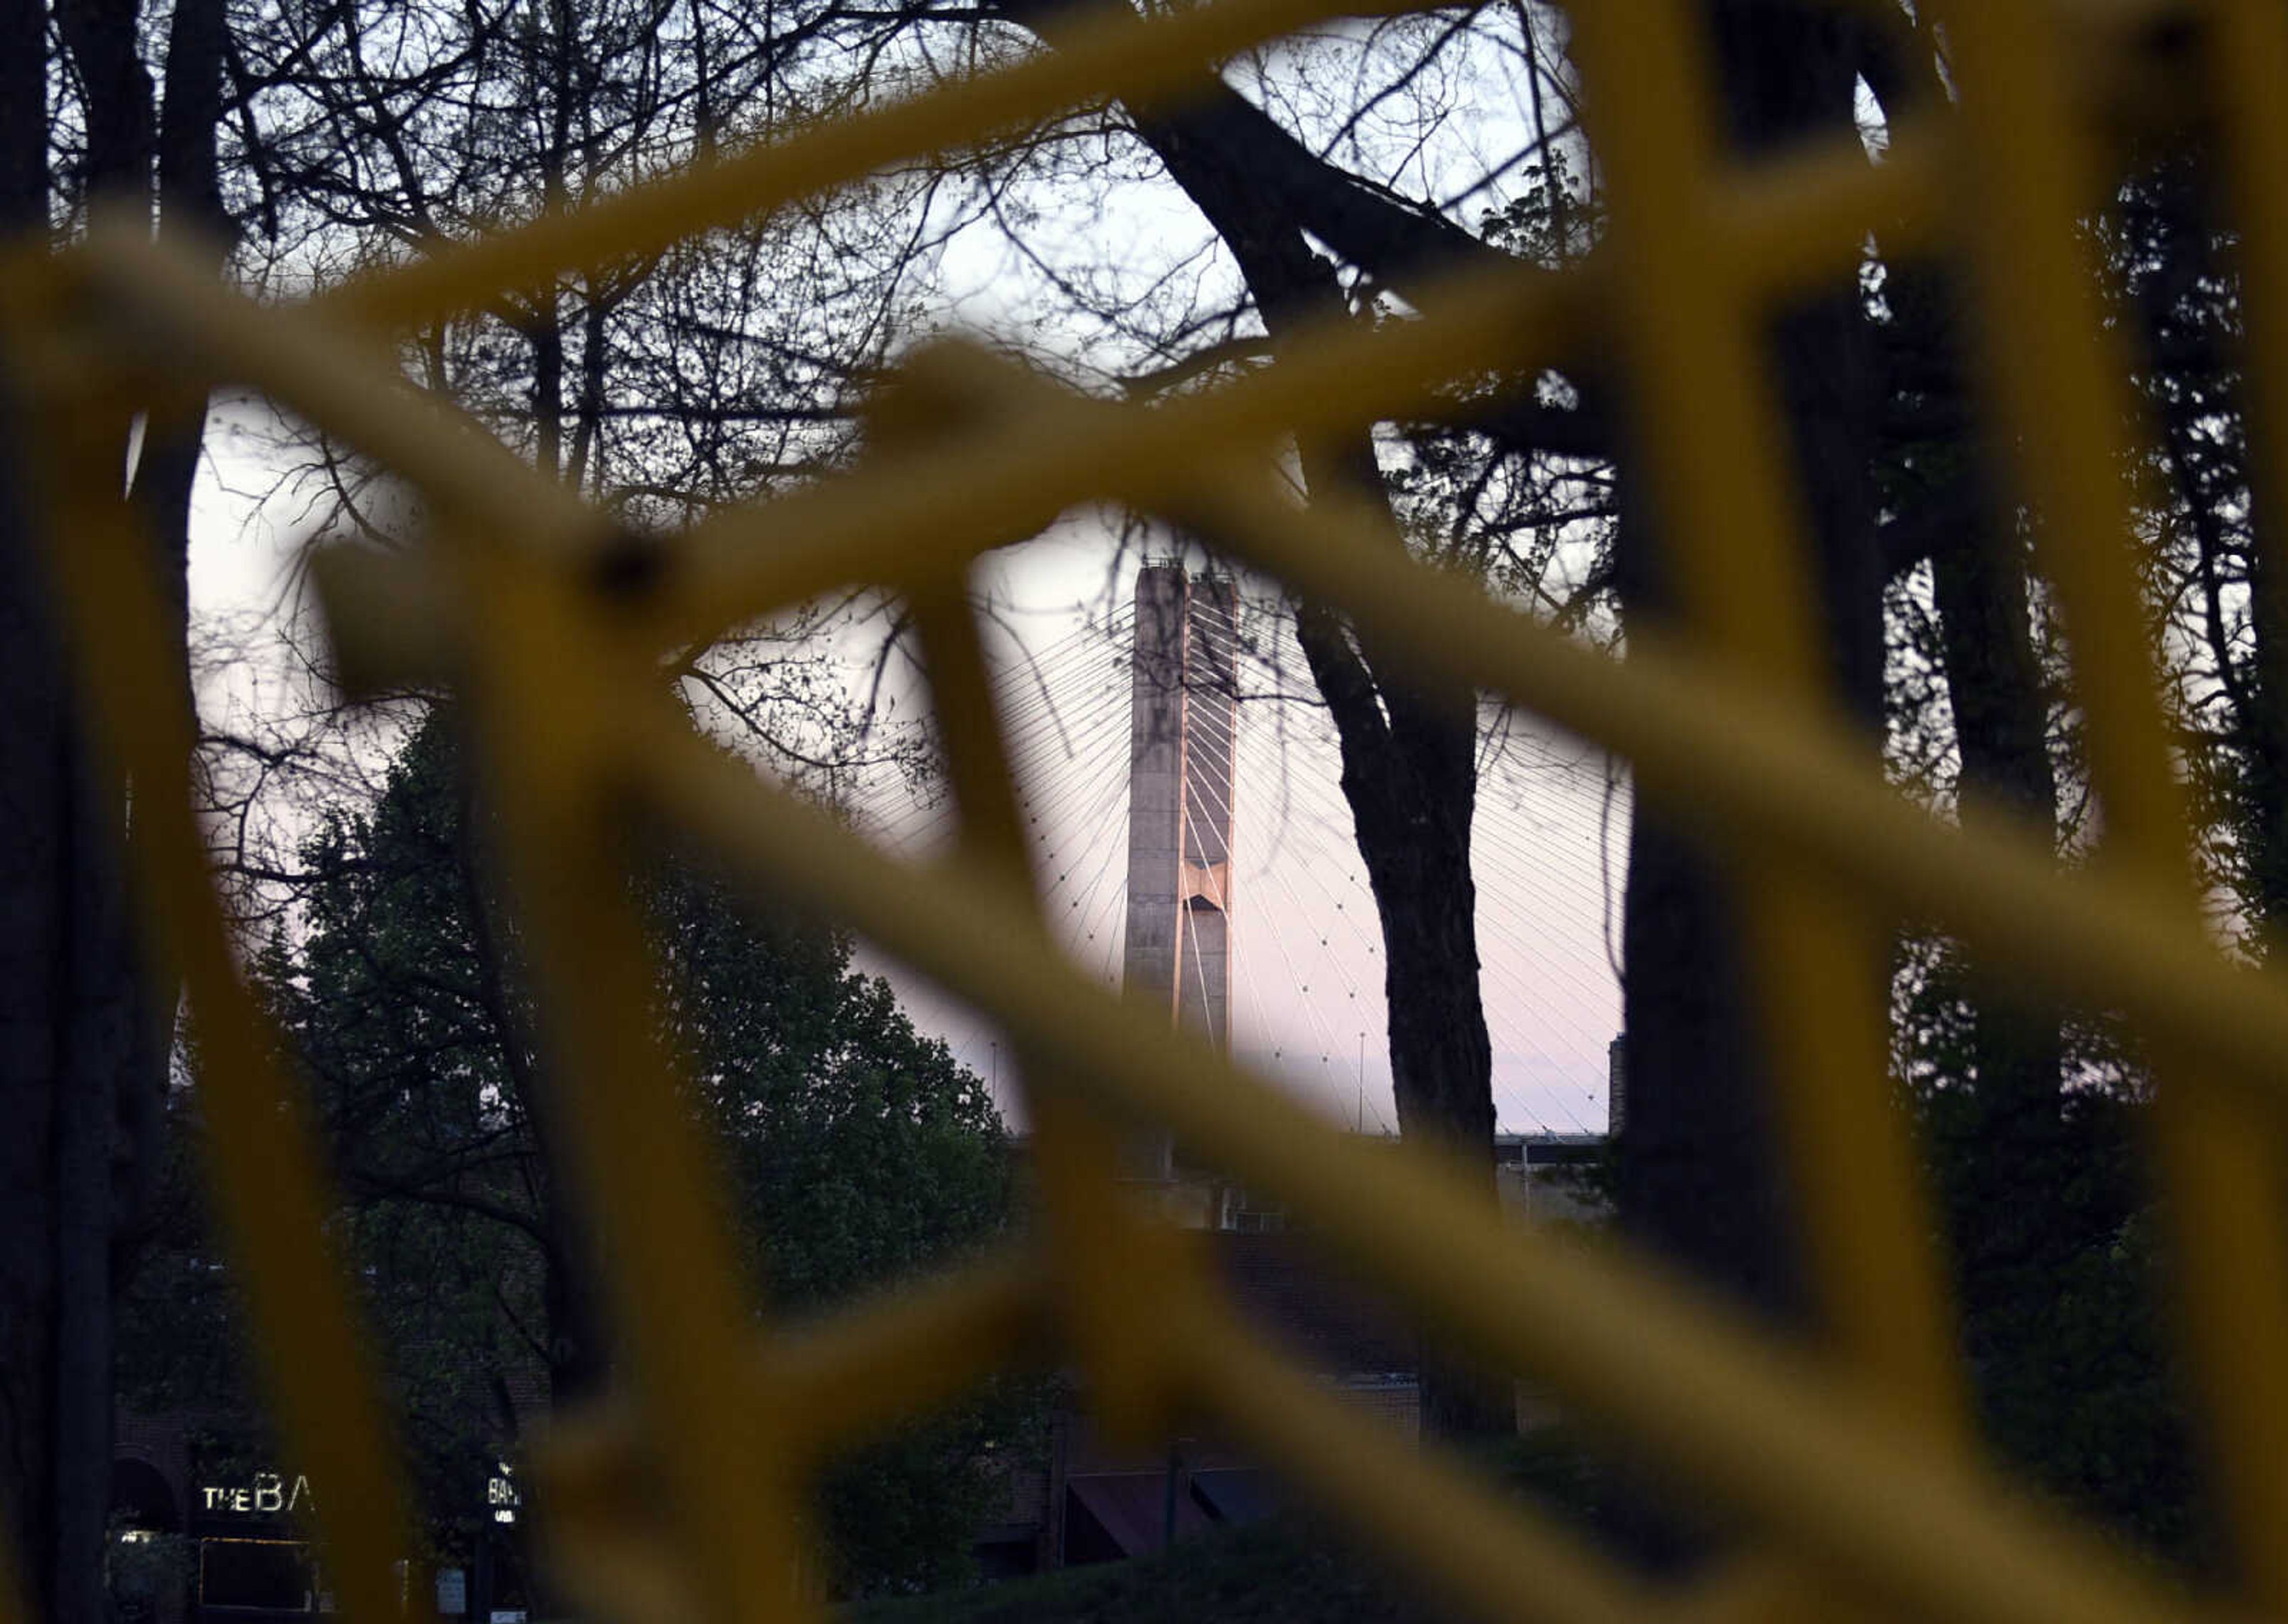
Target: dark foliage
(857, 1151)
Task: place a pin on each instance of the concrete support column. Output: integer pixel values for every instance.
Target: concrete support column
(1155, 809)
(1182, 732)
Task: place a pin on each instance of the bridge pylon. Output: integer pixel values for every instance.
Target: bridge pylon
(1183, 732)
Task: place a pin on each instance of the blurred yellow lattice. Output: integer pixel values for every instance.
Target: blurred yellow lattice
(1857, 1470)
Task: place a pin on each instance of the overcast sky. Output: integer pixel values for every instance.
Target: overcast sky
(1307, 978)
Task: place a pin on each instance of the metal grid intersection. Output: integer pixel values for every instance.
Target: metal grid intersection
(1857, 1467)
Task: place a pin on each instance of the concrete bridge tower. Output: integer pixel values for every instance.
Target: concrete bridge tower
(1181, 739)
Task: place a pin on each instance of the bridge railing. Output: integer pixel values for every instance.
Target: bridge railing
(1854, 1464)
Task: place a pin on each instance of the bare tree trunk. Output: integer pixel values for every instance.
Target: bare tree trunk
(33, 1041)
(1699, 1179)
(191, 214)
(1409, 774)
(62, 1463)
(32, 894)
(2016, 1137)
(90, 1028)
(104, 1044)
(579, 1343)
(70, 1010)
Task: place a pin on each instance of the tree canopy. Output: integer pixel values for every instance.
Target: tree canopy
(857, 1151)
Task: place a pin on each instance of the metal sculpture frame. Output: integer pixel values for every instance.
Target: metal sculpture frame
(1853, 1463)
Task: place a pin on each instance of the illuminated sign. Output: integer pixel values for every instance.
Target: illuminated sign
(502, 1494)
(268, 1495)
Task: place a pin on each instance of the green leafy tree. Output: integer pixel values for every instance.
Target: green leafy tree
(857, 1151)
(2060, 1275)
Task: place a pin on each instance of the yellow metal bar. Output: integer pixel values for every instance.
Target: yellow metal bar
(680, 1302)
(1121, 57)
(565, 675)
(1750, 1427)
(2061, 393)
(2055, 382)
(308, 359)
(1112, 1271)
(1799, 220)
(1707, 423)
(1729, 523)
(1014, 484)
(867, 1368)
(1470, 1551)
(845, 530)
(837, 1381)
(749, 561)
(669, 1259)
(260, 1151)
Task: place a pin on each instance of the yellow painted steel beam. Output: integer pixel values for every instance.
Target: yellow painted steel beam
(1385, 589)
(1123, 57)
(1114, 1272)
(747, 562)
(837, 1381)
(866, 1368)
(1422, 1513)
(133, 299)
(1758, 771)
(683, 1305)
(1714, 457)
(861, 1372)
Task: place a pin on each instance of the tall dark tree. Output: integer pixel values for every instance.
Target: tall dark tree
(2018, 1162)
(858, 1151)
(89, 1026)
(1699, 1181)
